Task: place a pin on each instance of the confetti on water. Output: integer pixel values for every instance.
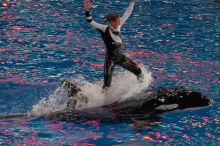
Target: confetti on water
(149, 138)
(5, 4)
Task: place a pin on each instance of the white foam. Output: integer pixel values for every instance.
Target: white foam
(127, 86)
(124, 86)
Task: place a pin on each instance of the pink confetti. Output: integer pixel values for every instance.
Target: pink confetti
(17, 27)
(55, 14)
(32, 134)
(56, 125)
(209, 135)
(93, 122)
(159, 69)
(193, 62)
(149, 138)
(5, 4)
(45, 81)
(111, 136)
(18, 79)
(184, 71)
(5, 18)
(96, 65)
(177, 56)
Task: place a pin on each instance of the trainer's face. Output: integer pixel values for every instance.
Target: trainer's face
(116, 23)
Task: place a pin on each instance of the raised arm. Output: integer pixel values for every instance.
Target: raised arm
(127, 12)
(89, 18)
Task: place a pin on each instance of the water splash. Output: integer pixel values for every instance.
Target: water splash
(125, 86)
(54, 103)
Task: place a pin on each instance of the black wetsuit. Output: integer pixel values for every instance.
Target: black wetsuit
(114, 54)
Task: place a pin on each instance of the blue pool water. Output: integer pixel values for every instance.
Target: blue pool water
(44, 41)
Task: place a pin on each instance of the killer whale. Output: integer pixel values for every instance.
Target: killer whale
(161, 100)
(151, 104)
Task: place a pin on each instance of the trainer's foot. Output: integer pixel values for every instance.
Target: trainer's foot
(140, 78)
(105, 90)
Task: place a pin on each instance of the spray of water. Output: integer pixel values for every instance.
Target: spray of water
(124, 87)
(55, 102)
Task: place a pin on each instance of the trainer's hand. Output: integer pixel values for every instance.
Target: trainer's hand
(86, 5)
(132, 1)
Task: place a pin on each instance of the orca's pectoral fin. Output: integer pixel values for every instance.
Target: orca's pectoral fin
(76, 98)
(71, 88)
(71, 104)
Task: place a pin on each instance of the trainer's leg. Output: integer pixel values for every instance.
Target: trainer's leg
(129, 65)
(108, 69)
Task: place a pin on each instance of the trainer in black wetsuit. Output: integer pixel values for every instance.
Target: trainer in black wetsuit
(111, 37)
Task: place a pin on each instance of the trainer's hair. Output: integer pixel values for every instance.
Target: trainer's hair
(112, 16)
